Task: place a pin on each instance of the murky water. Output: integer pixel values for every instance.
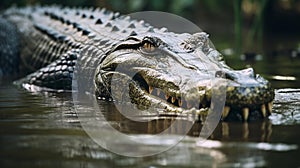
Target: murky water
(42, 130)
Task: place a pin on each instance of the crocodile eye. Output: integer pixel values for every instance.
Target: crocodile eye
(148, 48)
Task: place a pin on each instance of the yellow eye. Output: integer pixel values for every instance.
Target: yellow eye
(148, 47)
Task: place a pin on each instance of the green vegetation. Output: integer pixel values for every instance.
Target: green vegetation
(256, 8)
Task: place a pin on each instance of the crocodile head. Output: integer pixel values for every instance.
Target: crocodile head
(174, 72)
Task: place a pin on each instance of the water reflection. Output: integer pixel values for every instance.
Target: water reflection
(44, 131)
(226, 131)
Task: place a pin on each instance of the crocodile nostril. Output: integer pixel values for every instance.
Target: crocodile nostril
(225, 75)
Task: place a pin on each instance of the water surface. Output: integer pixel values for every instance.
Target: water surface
(43, 130)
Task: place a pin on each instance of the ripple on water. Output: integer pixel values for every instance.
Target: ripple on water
(46, 130)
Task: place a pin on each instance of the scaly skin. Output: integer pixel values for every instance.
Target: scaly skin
(174, 72)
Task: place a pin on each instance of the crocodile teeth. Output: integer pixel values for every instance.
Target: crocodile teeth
(179, 102)
(173, 99)
(167, 97)
(245, 113)
(263, 110)
(158, 92)
(270, 105)
(225, 112)
(150, 89)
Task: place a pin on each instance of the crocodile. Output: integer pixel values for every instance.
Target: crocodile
(171, 71)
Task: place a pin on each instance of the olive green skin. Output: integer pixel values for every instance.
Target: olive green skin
(187, 73)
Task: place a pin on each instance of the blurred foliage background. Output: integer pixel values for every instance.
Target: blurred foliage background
(244, 25)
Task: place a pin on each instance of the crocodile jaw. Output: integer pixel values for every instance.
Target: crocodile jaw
(147, 87)
(181, 79)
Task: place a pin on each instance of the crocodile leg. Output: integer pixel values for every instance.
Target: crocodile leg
(57, 75)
